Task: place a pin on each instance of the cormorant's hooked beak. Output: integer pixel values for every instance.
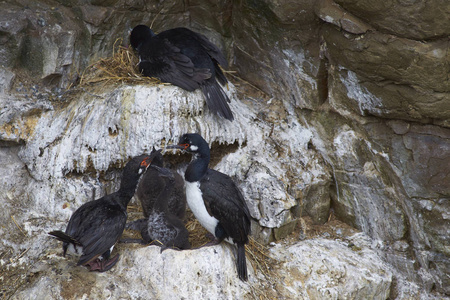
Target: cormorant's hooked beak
(180, 146)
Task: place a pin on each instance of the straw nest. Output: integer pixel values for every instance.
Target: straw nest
(121, 67)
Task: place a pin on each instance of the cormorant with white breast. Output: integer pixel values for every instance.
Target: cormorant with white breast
(215, 199)
(186, 59)
(96, 226)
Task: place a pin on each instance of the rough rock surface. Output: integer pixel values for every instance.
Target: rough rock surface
(300, 271)
(325, 269)
(355, 120)
(96, 131)
(416, 20)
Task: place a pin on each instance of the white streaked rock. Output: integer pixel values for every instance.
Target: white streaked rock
(311, 269)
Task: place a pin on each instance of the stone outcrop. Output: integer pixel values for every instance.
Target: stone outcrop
(354, 122)
(144, 272)
(361, 87)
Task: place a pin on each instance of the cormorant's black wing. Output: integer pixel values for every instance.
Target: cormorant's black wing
(212, 49)
(97, 225)
(225, 202)
(160, 58)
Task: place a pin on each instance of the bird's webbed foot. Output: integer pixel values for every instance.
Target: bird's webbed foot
(103, 265)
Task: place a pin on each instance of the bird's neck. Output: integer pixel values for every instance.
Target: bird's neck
(127, 189)
(197, 168)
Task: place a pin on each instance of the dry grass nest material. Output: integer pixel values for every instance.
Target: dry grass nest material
(120, 67)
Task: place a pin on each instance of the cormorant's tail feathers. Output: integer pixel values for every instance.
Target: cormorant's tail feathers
(219, 75)
(241, 262)
(63, 237)
(217, 100)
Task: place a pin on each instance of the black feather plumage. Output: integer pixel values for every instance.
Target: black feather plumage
(222, 198)
(186, 59)
(97, 225)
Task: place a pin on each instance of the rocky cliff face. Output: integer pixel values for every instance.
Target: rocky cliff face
(344, 110)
